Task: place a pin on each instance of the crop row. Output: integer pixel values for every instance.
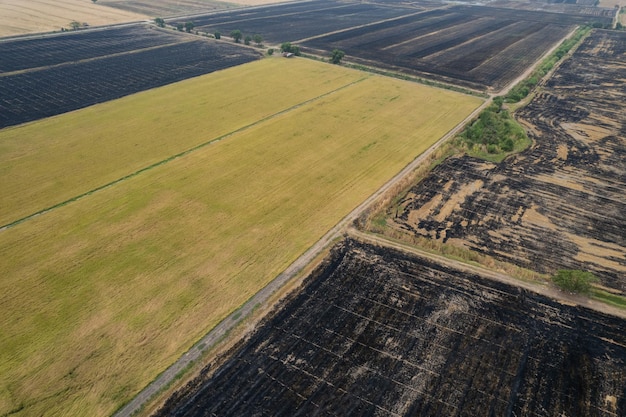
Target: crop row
(50, 91)
(21, 54)
(376, 332)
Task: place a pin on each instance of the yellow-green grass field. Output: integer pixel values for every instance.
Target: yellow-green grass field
(46, 163)
(100, 295)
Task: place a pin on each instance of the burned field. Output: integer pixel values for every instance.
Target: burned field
(473, 46)
(46, 77)
(558, 205)
(378, 332)
(477, 47)
(296, 21)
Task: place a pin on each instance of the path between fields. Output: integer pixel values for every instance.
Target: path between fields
(342, 228)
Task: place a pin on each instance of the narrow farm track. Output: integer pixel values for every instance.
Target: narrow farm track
(539, 288)
(176, 156)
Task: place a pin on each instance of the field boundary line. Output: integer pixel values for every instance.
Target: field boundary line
(180, 154)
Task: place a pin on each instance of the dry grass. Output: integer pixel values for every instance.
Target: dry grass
(70, 155)
(18, 17)
(102, 294)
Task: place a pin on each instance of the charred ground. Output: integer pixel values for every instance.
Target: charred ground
(379, 332)
(558, 205)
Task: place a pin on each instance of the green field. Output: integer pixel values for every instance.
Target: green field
(101, 294)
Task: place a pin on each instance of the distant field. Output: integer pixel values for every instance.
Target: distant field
(27, 16)
(48, 76)
(478, 47)
(165, 8)
(100, 295)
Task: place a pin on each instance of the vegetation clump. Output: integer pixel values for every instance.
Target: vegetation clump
(288, 48)
(574, 280)
(495, 132)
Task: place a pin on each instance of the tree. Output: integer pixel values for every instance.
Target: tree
(189, 27)
(180, 27)
(270, 51)
(217, 35)
(258, 39)
(159, 22)
(336, 56)
(94, 1)
(236, 35)
(285, 47)
(247, 39)
(74, 25)
(574, 280)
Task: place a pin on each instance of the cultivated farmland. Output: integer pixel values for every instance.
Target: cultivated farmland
(66, 157)
(18, 17)
(103, 293)
(377, 332)
(476, 47)
(295, 21)
(558, 205)
(73, 76)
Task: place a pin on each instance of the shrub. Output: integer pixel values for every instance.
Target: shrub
(574, 280)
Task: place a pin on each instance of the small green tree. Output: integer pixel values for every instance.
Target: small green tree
(289, 48)
(160, 22)
(94, 1)
(180, 27)
(574, 280)
(247, 39)
(336, 56)
(74, 25)
(189, 27)
(258, 39)
(217, 35)
(270, 51)
(236, 35)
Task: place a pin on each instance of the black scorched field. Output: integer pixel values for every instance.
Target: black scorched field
(558, 205)
(381, 333)
(49, 76)
(477, 47)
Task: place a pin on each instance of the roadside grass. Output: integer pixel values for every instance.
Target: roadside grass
(608, 298)
(46, 163)
(100, 295)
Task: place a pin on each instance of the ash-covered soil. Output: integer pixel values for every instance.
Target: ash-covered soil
(560, 204)
(376, 332)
